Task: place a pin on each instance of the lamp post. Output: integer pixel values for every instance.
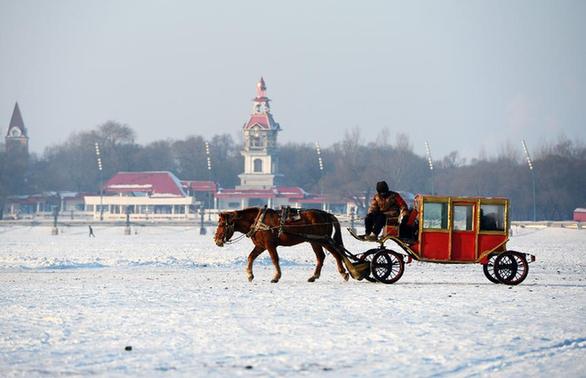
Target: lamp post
(202, 229)
(209, 159)
(429, 163)
(127, 230)
(55, 230)
(530, 164)
(321, 174)
(99, 159)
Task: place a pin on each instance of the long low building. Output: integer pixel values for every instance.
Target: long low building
(145, 195)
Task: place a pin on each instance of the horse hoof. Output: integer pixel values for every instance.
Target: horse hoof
(250, 278)
(274, 280)
(346, 276)
(311, 279)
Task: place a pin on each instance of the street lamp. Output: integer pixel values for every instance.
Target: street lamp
(321, 173)
(209, 159)
(429, 163)
(202, 229)
(99, 159)
(530, 164)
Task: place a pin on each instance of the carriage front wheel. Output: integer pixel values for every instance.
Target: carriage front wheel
(387, 266)
(367, 256)
(511, 268)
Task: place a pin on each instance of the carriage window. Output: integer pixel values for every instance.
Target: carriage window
(463, 217)
(435, 215)
(492, 217)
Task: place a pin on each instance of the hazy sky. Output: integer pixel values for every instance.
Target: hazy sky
(465, 75)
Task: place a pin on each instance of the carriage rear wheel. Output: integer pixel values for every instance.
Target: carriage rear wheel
(387, 266)
(488, 270)
(511, 268)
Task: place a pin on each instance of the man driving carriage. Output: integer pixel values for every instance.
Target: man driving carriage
(386, 207)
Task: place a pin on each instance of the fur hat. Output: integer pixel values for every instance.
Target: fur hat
(382, 187)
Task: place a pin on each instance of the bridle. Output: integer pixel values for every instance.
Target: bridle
(229, 228)
(230, 225)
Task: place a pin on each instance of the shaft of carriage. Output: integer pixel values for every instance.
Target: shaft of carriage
(358, 269)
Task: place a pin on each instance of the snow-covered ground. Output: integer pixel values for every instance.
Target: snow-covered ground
(70, 305)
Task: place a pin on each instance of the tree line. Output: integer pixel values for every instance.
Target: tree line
(351, 168)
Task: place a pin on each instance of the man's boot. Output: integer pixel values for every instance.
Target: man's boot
(371, 237)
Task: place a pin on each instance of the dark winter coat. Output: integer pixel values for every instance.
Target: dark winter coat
(391, 204)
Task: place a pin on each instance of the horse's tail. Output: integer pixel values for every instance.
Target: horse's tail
(338, 234)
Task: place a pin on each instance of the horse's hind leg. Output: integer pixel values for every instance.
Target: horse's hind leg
(251, 257)
(275, 257)
(320, 256)
(341, 267)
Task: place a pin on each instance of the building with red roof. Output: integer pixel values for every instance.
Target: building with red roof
(143, 194)
(275, 197)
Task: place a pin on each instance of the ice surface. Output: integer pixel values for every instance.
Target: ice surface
(70, 304)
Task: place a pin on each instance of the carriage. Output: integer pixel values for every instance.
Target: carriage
(446, 229)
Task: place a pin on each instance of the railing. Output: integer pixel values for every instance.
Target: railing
(554, 224)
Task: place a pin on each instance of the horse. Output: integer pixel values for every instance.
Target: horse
(269, 229)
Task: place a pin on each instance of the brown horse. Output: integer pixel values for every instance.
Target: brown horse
(267, 230)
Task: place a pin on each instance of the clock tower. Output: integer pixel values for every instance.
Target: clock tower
(16, 139)
(260, 144)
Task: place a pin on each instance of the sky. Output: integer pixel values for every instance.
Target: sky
(467, 76)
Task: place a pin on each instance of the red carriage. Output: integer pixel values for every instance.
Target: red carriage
(456, 230)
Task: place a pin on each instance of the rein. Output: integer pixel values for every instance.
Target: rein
(236, 240)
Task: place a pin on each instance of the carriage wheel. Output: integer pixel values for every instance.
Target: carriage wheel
(367, 256)
(511, 268)
(488, 270)
(387, 266)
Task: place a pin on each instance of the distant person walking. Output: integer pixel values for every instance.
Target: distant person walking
(91, 232)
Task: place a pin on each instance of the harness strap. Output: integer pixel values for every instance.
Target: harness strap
(284, 215)
(258, 224)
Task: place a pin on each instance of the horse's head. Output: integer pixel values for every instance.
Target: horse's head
(225, 228)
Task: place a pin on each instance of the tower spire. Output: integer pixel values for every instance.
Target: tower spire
(261, 101)
(16, 138)
(16, 120)
(261, 88)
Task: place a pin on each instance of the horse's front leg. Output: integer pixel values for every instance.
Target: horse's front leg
(251, 257)
(275, 258)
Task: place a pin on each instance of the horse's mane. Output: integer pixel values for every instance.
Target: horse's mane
(241, 211)
(248, 210)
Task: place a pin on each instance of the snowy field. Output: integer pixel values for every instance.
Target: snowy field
(69, 305)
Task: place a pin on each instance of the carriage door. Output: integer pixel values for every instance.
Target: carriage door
(463, 233)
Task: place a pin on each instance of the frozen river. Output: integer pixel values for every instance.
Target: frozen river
(70, 305)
